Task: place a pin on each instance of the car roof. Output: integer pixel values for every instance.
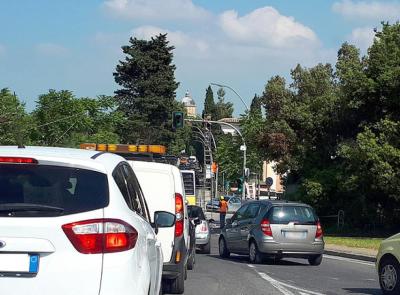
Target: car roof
(279, 203)
(94, 160)
(152, 165)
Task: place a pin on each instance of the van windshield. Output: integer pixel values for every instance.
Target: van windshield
(44, 190)
(296, 214)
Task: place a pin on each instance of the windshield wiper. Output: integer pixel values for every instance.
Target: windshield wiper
(23, 207)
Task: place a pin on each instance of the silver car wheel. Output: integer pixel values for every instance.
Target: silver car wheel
(253, 252)
(388, 277)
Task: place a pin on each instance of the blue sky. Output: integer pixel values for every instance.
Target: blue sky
(75, 44)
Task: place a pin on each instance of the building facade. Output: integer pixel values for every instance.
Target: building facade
(189, 104)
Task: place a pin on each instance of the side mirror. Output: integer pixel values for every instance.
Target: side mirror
(196, 221)
(228, 221)
(163, 219)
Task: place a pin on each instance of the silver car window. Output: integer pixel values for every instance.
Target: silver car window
(297, 214)
(252, 211)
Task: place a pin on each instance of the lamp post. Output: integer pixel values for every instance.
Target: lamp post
(233, 90)
(243, 147)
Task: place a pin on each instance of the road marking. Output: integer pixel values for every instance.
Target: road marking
(349, 260)
(281, 286)
(275, 283)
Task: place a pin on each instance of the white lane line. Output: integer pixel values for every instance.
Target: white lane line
(302, 293)
(275, 283)
(281, 286)
(300, 289)
(349, 260)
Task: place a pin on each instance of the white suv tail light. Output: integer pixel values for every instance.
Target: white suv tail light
(101, 235)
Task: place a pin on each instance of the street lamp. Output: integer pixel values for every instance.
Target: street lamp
(233, 90)
(243, 147)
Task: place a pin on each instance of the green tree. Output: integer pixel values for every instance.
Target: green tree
(147, 94)
(209, 104)
(222, 109)
(229, 157)
(65, 120)
(14, 122)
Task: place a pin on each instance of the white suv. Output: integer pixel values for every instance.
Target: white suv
(75, 222)
(163, 188)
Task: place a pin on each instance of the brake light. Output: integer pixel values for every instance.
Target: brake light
(203, 227)
(101, 236)
(319, 233)
(179, 212)
(266, 227)
(18, 160)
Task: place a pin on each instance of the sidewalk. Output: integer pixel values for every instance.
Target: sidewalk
(351, 252)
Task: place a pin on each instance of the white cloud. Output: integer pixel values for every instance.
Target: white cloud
(267, 27)
(362, 37)
(156, 10)
(180, 40)
(368, 10)
(51, 49)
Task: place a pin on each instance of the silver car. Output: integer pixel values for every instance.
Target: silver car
(203, 234)
(273, 229)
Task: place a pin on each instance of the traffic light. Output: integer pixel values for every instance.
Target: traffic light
(177, 120)
(239, 183)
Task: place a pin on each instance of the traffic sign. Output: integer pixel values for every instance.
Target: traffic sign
(269, 181)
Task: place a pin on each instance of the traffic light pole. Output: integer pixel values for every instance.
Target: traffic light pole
(243, 147)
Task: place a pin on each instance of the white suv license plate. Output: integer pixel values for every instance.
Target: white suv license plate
(295, 235)
(19, 265)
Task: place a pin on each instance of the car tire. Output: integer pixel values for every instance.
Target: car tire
(191, 260)
(223, 249)
(207, 248)
(255, 256)
(315, 260)
(177, 285)
(389, 276)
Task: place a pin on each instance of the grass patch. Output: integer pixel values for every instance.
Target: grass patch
(367, 243)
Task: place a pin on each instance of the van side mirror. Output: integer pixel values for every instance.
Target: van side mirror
(196, 221)
(228, 221)
(163, 219)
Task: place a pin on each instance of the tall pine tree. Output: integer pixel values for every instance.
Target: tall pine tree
(209, 104)
(147, 96)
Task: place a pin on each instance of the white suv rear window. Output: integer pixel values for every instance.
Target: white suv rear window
(41, 190)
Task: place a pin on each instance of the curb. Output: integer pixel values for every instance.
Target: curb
(351, 255)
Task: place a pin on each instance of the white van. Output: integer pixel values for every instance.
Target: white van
(163, 189)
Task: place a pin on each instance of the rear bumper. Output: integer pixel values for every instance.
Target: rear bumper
(202, 239)
(172, 269)
(274, 248)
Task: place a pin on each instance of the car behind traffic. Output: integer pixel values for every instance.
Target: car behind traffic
(164, 190)
(388, 266)
(203, 235)
(74, 222)
(276, 229)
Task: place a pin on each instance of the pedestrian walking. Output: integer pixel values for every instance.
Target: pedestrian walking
(223, 209)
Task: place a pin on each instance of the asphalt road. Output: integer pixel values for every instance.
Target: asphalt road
(235, 276)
